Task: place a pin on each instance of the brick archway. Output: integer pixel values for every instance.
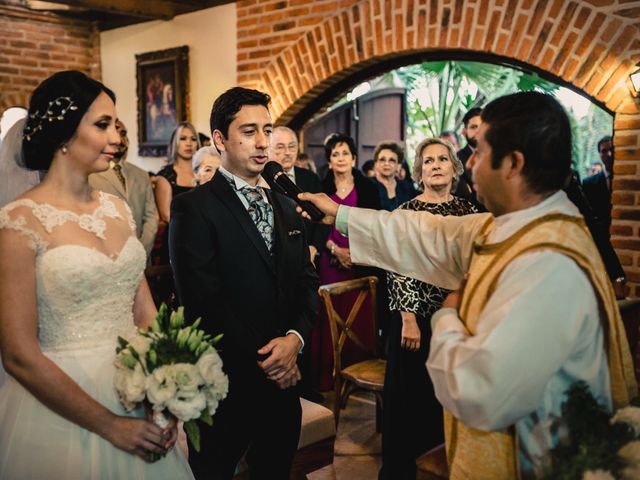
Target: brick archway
(296, 53)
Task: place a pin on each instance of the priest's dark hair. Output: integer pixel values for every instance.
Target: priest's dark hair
(537, 126)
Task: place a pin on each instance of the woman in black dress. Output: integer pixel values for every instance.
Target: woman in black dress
(412, 419)
(175, 178)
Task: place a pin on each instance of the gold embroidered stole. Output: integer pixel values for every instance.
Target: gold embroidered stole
(478, 455)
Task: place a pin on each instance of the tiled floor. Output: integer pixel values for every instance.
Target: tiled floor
(357, 448)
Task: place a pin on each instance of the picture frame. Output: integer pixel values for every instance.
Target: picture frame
(162, 81)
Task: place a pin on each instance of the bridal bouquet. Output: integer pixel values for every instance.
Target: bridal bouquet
(597, 445)
(175, 369)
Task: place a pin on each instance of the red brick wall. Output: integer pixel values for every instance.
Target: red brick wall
(35, 45)
(295, 49)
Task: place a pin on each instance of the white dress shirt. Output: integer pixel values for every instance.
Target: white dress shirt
(240, 183)
(539, 333)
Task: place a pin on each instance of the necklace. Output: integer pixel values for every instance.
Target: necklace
(345, 188)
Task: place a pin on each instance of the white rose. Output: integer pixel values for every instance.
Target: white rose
(210, 366)
(140, 344)
(187, 377)
(161, 387)
(630, 416)
(130, 385)
(187, 406)
(597, 475)
(216, 393)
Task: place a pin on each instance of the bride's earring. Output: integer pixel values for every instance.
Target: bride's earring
(64, 149)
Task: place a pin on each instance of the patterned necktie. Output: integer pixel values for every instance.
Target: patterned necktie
(261, 213)
(117, 169)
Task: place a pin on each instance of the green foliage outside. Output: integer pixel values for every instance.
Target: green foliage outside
(440, 93)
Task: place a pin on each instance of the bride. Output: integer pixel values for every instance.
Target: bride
(71, 281)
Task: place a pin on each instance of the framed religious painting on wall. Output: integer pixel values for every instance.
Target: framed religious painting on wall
(162, 79)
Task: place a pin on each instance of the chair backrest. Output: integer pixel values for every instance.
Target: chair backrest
(341, 329)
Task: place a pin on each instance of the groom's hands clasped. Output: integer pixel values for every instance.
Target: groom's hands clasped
(280, 366)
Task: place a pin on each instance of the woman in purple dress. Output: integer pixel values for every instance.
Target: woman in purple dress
(347, 186)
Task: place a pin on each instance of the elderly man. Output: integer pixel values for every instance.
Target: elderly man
(132, 184)
(537, 311)
(284, 150)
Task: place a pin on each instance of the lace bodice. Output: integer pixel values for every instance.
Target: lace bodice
(84, 295)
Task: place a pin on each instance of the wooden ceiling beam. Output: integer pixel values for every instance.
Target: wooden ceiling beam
(156, 10)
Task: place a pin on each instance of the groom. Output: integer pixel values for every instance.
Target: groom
(241, 262)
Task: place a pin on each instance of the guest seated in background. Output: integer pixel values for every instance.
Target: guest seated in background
(205, 164)
(368, 168)
(387, 157)
(306, 162)
(346, 185)
(132, 185)
(535, 288)
(412, 420)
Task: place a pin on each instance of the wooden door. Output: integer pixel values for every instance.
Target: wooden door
(369, 119)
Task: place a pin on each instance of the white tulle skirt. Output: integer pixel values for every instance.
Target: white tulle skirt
(36, 443)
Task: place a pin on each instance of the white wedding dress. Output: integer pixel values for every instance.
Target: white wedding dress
(84, 300)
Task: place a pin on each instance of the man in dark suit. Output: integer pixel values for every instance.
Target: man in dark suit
(471, 122)
(241, 262)
(597, 188)
(284, 150)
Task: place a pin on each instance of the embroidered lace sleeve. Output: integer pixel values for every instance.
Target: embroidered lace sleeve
(18, 216)
(124, 211)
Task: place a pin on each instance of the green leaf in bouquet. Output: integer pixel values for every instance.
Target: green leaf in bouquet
(183, 335)
(122, 344)
(195, 340)
(193, 433)
(152, 360)
(177, 318)
(217, 338)
(206, 417)
(196, 324)
(161, 318)
(127, 360)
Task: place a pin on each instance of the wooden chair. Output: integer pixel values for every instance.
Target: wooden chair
(366, 375)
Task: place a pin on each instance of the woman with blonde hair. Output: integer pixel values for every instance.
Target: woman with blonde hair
(412, 420)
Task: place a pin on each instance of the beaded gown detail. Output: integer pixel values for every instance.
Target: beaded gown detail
(85, 299)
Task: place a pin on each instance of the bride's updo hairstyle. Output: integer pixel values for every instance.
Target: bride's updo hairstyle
(56, 107)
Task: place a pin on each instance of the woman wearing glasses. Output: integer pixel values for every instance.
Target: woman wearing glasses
(387, 158)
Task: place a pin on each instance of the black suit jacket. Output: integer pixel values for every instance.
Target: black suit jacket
(309, 182)
(598, 195)
(225, 274)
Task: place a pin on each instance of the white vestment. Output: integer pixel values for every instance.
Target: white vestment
(539, 333)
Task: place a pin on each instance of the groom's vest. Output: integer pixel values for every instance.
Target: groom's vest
(478, 455)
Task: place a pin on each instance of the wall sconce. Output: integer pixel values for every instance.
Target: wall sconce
(635, 81)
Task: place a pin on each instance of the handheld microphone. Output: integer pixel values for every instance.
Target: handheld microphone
(274, 175)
